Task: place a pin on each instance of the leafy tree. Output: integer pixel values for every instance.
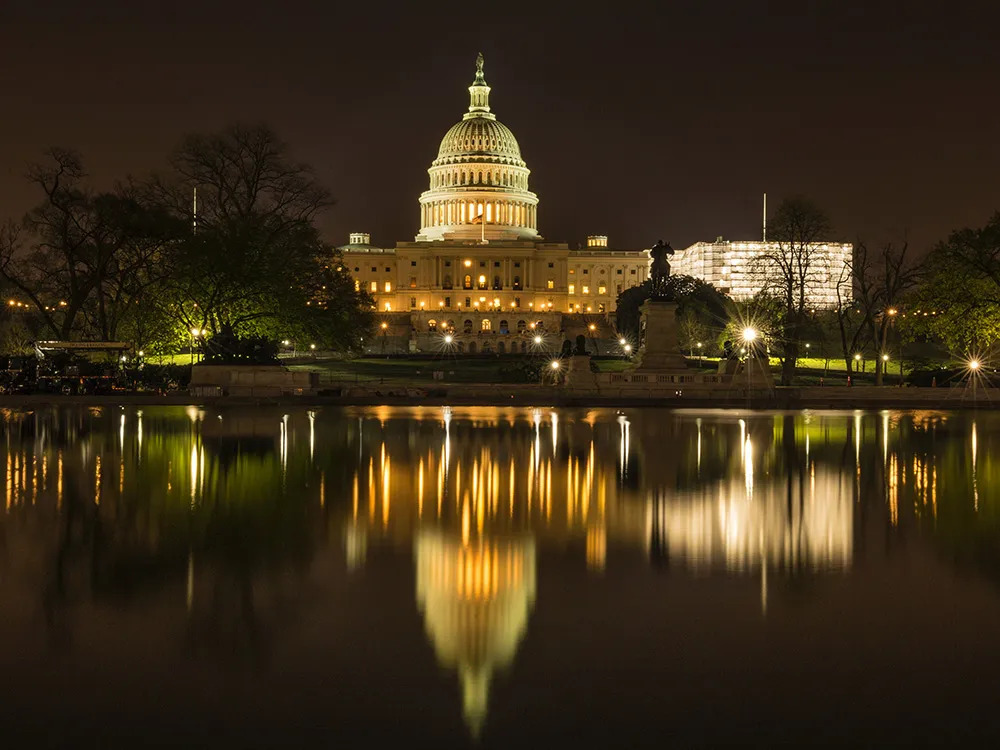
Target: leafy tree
(959, 299)
(710, 308)
(251, 258)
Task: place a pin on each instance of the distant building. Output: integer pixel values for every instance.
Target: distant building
(742, 269)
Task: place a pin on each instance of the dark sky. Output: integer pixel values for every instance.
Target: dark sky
(640, 121)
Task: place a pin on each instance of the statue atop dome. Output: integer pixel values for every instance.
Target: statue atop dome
(479, 65)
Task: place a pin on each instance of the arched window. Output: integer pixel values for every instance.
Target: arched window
(487, 324)
(521, 325)
(461, 346)
(480, 180)
(472, 347)
(517, 282)
(432, 325)
(496, 283)
(467, 327)
(451, 325)
(501, 349)
(482, 281)
(446, 284)
(524, 347)
(504, 327)
(467, 282)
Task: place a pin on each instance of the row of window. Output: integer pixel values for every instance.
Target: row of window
(494, 178)
(487, 325)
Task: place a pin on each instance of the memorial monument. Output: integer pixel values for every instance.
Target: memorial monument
(659, 350)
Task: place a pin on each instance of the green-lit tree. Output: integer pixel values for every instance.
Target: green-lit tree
(959, 299)
(251, 257)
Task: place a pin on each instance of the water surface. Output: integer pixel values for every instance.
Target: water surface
(482, 576)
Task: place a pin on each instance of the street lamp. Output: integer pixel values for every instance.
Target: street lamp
(195, 333)
(448, 338)
(385, 328)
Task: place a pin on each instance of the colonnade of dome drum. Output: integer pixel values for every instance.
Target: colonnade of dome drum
(439, 213)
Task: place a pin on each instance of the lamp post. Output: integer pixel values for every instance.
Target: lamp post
(195, 333)
(592, 328)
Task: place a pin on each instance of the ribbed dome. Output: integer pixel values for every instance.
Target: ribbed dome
(478, 138)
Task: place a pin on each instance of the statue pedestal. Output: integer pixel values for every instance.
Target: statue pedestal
(660, 351)
(578, 374)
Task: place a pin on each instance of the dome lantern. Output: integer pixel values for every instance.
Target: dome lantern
(479, 94)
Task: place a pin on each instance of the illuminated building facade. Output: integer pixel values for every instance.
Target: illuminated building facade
(742, 269)
(478, 270)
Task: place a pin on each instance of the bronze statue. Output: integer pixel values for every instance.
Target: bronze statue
(659, 269)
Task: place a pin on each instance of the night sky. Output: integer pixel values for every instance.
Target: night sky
(667, 120)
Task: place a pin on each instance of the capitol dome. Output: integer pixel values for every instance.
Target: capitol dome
(478, 182)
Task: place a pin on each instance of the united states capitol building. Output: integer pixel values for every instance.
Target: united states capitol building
(478, 276)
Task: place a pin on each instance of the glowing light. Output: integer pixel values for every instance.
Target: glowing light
(555, 364)
(467, 263)
(892, 311)
(195, 332)
(312, 346)
(857, 357)
(538, 339)
(974, 364)
(749, 335)
(384, 326)
(592, 327)
(885, 357)
(628, 347)
(623, 342)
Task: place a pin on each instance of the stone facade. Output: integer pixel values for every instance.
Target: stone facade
(478, 268)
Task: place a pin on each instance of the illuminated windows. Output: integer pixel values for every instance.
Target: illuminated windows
(586, 290)
(388, 286)
(374, 286)
(572, 288)
(601, 289)
(550, 284)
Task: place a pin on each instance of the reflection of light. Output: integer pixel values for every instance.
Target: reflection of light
(717, 526)
(312, 434)
(975, 483)
(698, 423)
(555, 431)
(597, 548)
(748, 467)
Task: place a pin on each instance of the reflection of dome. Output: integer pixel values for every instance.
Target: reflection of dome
(479, 182)
(476, 599)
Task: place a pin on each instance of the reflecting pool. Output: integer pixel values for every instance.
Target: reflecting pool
(478, 576)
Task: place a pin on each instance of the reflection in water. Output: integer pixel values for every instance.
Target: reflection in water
(212, 508)
(476, 599)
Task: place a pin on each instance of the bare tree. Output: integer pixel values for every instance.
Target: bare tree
(790, 268)
(852, 320)
(896, 275)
